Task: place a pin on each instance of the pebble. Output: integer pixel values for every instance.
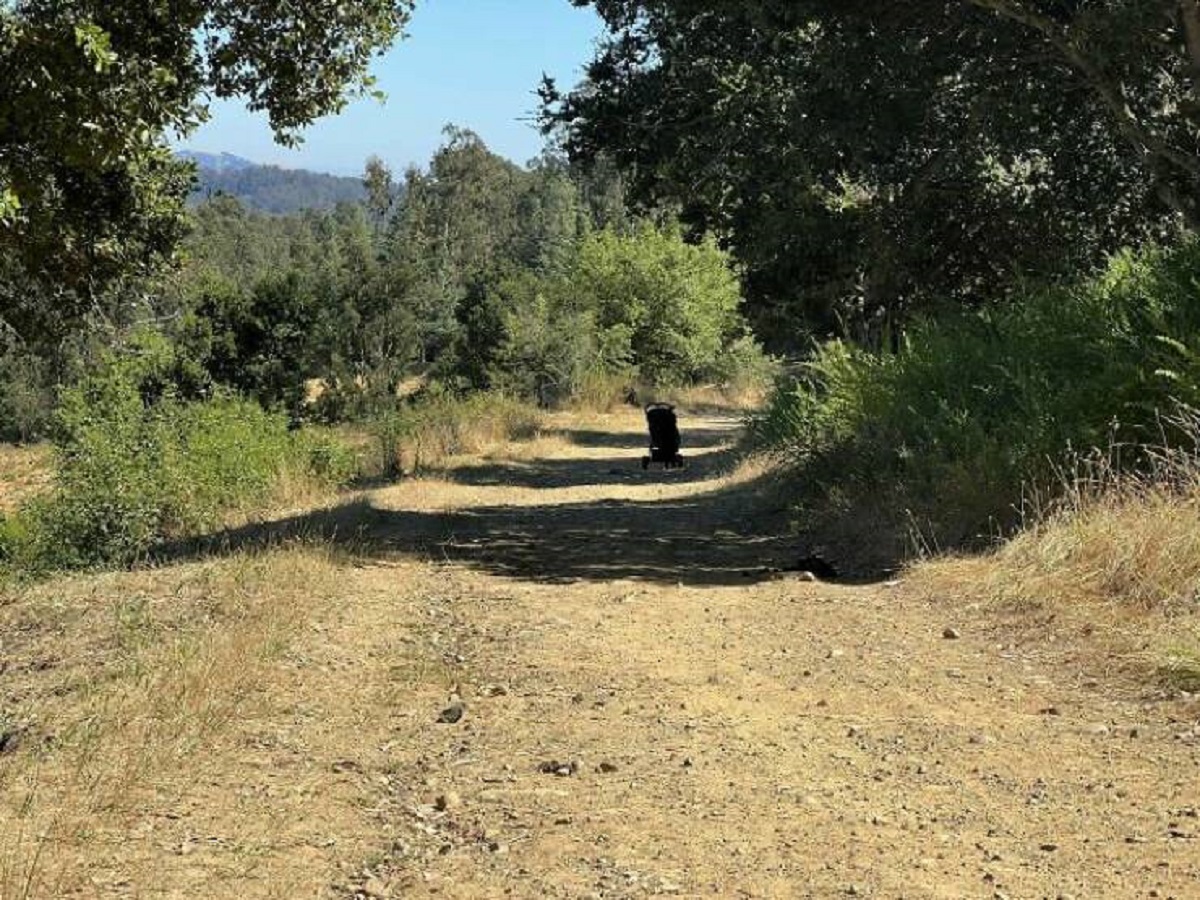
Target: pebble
(951, 634)
(375, 888)
(447, 801)
(452, 714)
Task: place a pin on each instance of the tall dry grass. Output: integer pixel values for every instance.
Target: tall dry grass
(1116, 553)
(608, 393)
(25, 471)
(427, 435)
(129, 686)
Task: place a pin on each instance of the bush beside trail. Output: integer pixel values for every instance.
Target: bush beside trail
(431, 430)
(136, 467)
(944, 440)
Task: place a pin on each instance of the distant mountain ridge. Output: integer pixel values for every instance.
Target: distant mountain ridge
(216, 162)
(271, 189)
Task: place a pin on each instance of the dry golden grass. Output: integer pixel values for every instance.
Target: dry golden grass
(120, 688)
(474, 432)
(612, 393)
(428, 436)
(720, 397)
(24, 472)
(1118, 559)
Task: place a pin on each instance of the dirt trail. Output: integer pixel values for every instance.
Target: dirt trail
(649, 712)
(728, 735)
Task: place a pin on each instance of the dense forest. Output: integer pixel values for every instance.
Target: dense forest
(474, 272)
(967, 226)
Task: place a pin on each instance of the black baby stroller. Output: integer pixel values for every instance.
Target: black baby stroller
(664, 437)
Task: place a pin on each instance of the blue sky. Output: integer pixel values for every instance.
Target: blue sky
(475, 63)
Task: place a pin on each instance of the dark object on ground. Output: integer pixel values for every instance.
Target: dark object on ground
(452, 714)
(816, 565)
(664, 437)
(11, 739)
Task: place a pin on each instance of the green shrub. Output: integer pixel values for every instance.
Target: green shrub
(644, 307)
(323, 457)
(26, 394)
(948, 433)
(668, 307)
(137, 467)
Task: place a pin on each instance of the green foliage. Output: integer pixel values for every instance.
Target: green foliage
(668, 307)
(90, 193)
(479, 273)
(270, 303)
(548, 347)
(521, 336)
(137, 465)
(26, 394)
(644, 306)
(867, 164)
(947, 433)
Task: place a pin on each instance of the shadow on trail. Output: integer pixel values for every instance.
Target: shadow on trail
(731, 535)
(695, 439)
(547, 474)
(664, 541)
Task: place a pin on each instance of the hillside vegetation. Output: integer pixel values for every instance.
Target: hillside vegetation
(271, 189)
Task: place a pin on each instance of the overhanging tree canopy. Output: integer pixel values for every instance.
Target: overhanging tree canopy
(89, 191)
(867, 159)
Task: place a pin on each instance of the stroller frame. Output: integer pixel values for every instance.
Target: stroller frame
(664, 437)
